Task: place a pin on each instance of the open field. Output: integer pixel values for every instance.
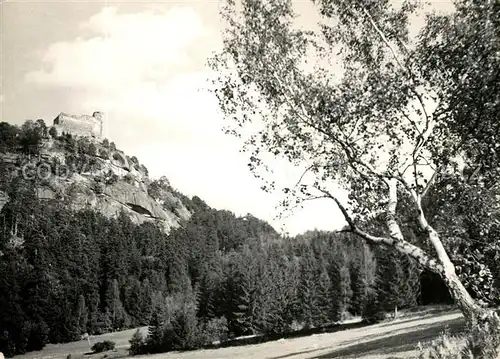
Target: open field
(395, 339)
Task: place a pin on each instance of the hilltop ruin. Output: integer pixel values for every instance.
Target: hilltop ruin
(90, 126)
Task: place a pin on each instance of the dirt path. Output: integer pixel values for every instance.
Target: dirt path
(396, 339)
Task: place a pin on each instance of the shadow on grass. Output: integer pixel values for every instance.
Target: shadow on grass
(415, 317)
(392, 344)
(296, 334)
(388, 344)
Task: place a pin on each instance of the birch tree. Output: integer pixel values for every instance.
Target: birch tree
(361, 103)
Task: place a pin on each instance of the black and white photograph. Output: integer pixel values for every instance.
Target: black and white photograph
(250, 179)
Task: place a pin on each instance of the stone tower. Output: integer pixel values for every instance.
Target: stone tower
(90, 126)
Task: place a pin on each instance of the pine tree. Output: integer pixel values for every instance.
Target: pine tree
(242, 281)
(115, 306)
(137, 344)
(81, 315)
(147, 300)
(373, 311)
(267, 285)
(323, 313)
(133, 301)
(156, 331)
(308, 295)
(358, 288)
(281, 293)
(397, 280)
(345, 289)
(186, 334)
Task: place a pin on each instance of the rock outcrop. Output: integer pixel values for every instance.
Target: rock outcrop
(88, 173)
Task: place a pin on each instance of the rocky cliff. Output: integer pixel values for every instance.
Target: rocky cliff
(86, 172)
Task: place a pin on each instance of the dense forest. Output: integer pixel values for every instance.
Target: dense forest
(218, 276)
(79, 273)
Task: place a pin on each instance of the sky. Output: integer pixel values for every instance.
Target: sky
(144, 64)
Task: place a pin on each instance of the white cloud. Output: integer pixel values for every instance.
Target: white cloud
(125, 49)
(146, 72)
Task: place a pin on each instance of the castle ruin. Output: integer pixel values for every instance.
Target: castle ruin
(90, 126)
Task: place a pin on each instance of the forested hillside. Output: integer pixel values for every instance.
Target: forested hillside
(65, 272)
(79, 272)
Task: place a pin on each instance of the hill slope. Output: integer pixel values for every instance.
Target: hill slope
(87, 173)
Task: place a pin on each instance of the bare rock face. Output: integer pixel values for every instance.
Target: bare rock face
(138, 204)
(82, 191)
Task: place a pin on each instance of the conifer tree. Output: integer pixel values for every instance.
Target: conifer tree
(308, 293)
(324, 310)
(156, 331)
(345, 289)
(357, 287)
(115, 306)
(147, 300)
(81, 315)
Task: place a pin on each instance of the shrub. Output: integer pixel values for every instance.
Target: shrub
(134, 160)
(103, 346)
(143, 169)
(185, 328)
(445, 346)
(175, 327)
(53, 134)
(128, 178)
(137, 344)
(215, 330)
(483, 337)
(103, 154)
(111, 178)
(98, 187)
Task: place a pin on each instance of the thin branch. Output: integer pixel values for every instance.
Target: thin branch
(347, 149)
(346, 215)
(429, 184)
(298, 204)
(304, 173)
(402, 245)
(384, 39)
(396, 58)
(413, 123)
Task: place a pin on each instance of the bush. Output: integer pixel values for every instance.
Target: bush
(98, 187)
(445, 346)
(111, 178)
(185, 328)
(215, 330)
(103, 346)
(137, 344)
(176, 327)
(128, 178)
(103, 154)
(483, 337)
(134, 160)
(53, 134)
